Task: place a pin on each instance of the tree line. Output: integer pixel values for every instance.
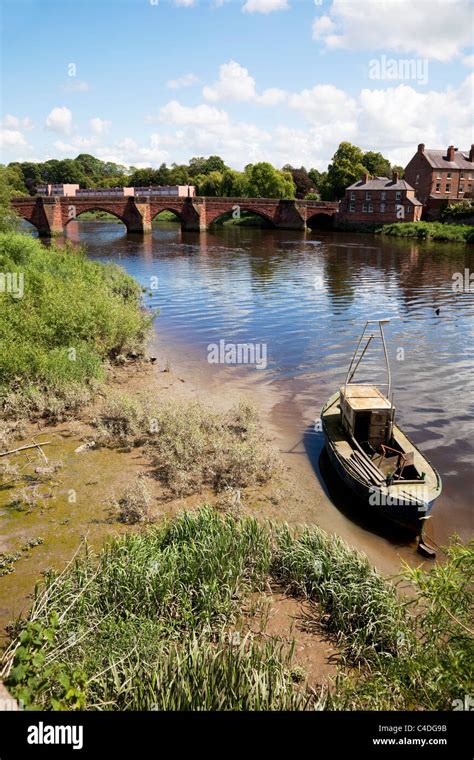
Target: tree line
(211, 176)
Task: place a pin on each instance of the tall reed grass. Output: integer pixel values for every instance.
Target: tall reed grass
(160, 620)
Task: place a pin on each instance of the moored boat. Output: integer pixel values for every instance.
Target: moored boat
(370, 452)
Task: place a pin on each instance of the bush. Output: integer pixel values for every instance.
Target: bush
(190, 445)
(457, 233)
(72, 316)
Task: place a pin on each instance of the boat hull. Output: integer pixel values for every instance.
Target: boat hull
(382, 501)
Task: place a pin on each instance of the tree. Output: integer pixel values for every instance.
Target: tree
(320, 184)
(178, 175)
(197, 166)
(399, 169)
(234, 184)
(376, 164)
(301, 180)
(264, 181)
(214, 164)
(144, 178)
(210, 184)
(347, 166)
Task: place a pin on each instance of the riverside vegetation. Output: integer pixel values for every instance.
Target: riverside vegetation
(159, 621)
(74, 317)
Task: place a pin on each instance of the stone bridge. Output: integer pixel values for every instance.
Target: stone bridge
(50, 215)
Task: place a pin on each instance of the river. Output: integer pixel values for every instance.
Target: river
(305, 296)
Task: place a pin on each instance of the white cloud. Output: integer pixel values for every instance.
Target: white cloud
(12, 138)
(174, 113)
(468, 60)
(14, 122)
(184, 3)
(99, 126)
(60, 120)
(265, 6)
(234, 83)
(187, 80)
(325, 104)
(273, 96)
(75, 85)
(429, 29)
(76, 144)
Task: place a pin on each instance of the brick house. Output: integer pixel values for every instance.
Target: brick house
(440, 177)
(380, 200)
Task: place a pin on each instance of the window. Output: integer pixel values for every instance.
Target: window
(383, 195)
(417, 179)
(364, 207)
(448, 176)
(461, 176)
(382, 208)
(438, 187)
(408, 210)
(448, 187)
(371, 208)
(461, 189)
(352, 207)
(367, 196)
(398, 196)
(353, 196)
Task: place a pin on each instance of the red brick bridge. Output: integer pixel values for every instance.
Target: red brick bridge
(50, 215)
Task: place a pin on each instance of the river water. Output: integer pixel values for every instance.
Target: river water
(303, 297)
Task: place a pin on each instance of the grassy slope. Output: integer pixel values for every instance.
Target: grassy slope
(73, 316)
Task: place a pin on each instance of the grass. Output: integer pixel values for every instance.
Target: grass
(73, 316)
(458, 233)
(191, 446)
(158, 621)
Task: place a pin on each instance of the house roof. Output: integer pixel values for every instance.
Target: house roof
(380, 183)
(439, 160)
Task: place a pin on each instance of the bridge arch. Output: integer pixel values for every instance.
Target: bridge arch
(320, 220)
(178, 213)
(222, 215)
(93, 207)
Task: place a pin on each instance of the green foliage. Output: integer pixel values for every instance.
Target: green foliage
(458, 233)
(376, 164)
(73, 315)
(302, 180)
(464, 207)
(10, 185)
(347, 166)
(157, 621)
(264, 181)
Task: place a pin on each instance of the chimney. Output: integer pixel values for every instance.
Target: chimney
(395, 176)
(451, 153)
(421, 148)
(471, 154)
(365, 177)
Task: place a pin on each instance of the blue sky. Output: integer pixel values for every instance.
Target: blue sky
(140, 82)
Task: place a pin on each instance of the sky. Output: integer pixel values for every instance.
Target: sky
(141, 82)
